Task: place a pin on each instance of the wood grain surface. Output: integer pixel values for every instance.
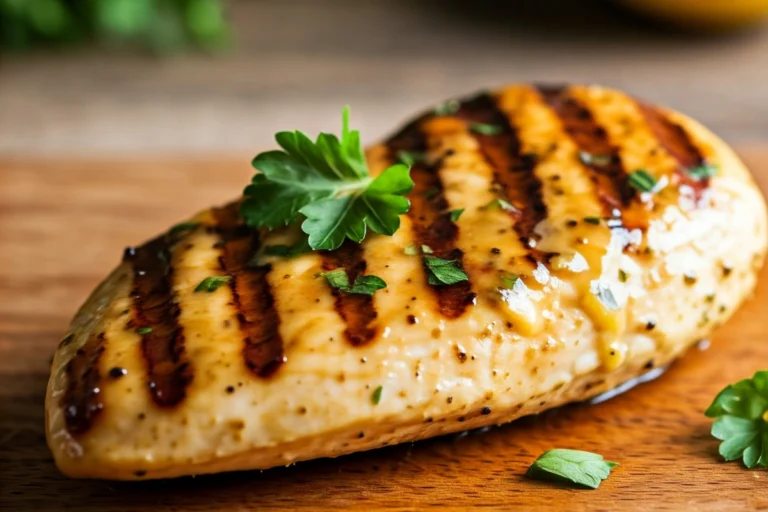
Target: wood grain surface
(63, 224)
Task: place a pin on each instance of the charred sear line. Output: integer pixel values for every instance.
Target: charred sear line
(82, 400)
(514, 175)
(431, 219)
(357, 311)
(251, 294)
(676, 141)
(156, 315)
(600, 156)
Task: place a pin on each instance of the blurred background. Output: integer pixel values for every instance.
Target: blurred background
(220, 76)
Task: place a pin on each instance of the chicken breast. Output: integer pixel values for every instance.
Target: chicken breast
(577, 283)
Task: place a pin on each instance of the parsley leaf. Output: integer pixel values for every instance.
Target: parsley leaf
(288, 251)
(703, 171)
(211, 283)
(598, 160)
(576, 466)
(592, 220)
(326, 181)
(443, 271)
(363, 285)
(410, 158)
(376, 396)
(623, 276)
(143, 330)
(430, 193)
(642, 180)
(500, 203)
(741, 410)
(486, 129)
(337, 278)
(182, 227)
(455, 214)
(508, 280)
(413, 250)
(366, 285)
(448, 108)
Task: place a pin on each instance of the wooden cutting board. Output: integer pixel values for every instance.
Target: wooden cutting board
(63, 225)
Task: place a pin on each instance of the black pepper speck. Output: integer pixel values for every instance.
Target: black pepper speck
(117, 372)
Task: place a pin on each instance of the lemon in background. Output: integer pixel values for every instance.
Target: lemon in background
(714, 15)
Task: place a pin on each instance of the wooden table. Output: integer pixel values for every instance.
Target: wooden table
(63, 224)
(296, 63)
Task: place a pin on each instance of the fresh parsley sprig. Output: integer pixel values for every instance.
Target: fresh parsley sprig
(363, 285)
(642, 180)
(327, 182)
(575, 466)
(703, 171)
(443, 271)
(211, 283)
(741, 410)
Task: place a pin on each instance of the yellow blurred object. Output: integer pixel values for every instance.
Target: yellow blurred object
(703, 14)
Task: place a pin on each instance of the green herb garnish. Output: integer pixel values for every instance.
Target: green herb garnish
(598, 160)
(455, 214)
(410, 158)
(500, 203)
(288, 251)
(592, 220)
(183, 226)
(328, 182)
(486, 129)
(642, 180)
(448, 108)
(143, 330)
(443, 271)
(741, 410)
(411, 250)
(509, 280)
(575, 466)
(430, 193)
(363, 285)
(376, 396)
(623, 276)
(703, 171)
(211, 283)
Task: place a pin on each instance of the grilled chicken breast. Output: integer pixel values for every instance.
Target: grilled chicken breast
(577, 283)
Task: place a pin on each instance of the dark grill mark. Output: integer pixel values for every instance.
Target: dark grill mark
(251, 295)
(610, 178)
(357, 311)
(679, 144)
(513, 171)
(82, 401)
(431, 219)
(155, 308)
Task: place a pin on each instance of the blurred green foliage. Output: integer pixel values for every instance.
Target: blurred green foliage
(162, 26)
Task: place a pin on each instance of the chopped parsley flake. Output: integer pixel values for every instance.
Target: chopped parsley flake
(211, 283)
